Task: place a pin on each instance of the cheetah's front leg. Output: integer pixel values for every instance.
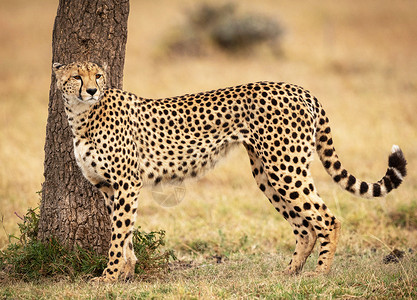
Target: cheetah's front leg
(122, 260)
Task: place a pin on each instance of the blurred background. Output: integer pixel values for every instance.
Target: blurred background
(358, 57)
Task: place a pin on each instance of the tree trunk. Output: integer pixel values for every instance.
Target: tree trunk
(72, 210)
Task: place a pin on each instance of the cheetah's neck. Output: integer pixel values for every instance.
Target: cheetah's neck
(77, 120)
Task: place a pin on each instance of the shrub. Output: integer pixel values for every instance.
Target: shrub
(245, 32)
(151, 260)
(223, 27)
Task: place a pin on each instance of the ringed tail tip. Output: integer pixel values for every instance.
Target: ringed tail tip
(395, 148)
(397, 161)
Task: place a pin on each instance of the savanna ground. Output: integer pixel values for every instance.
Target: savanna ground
(359, 59)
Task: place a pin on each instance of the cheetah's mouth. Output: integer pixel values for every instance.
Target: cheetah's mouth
(89, 99)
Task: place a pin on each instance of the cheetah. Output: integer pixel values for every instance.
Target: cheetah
(123, 142)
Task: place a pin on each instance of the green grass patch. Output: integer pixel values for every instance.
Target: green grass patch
(26, 258)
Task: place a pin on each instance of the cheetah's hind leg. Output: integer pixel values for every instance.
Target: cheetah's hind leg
(303, 230)
(310, 217)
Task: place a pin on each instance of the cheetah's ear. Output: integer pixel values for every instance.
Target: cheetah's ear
(56, 67)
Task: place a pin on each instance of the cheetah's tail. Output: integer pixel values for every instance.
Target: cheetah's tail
(392, 179)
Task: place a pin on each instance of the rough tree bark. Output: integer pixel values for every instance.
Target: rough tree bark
(72, 210)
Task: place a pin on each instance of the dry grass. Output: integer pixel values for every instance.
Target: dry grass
(357, 58)
(245, 277)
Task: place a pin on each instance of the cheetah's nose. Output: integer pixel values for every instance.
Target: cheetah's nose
(91, 91)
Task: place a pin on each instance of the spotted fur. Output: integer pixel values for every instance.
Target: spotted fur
(123, 142)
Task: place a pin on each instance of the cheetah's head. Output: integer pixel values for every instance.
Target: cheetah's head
(80, 83)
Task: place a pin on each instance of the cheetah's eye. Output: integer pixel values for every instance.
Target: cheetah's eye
(98, 76)
(77, 77)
